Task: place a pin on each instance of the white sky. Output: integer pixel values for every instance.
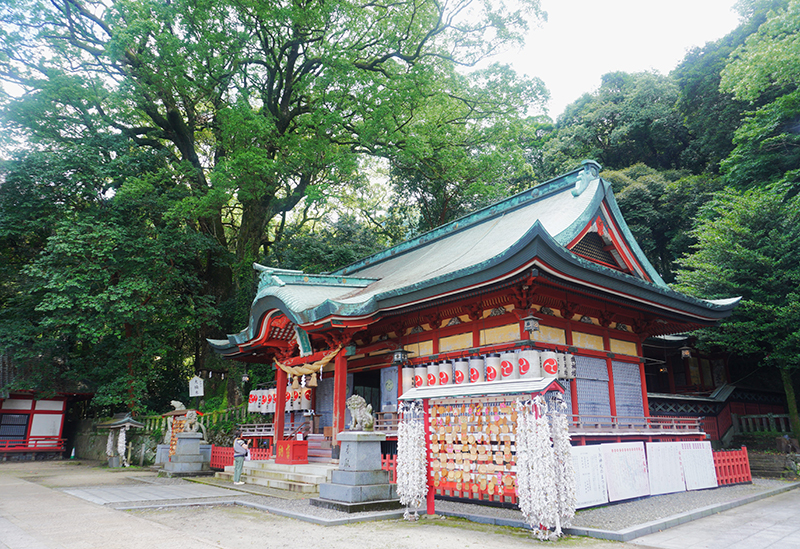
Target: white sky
(584, 39)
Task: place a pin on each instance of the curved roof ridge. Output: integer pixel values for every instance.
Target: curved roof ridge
(499, 208)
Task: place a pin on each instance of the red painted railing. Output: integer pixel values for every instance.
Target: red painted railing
(33, 444)
(389, 463)
(733, 466)
(222, 456)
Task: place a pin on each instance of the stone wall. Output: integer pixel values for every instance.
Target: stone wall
(90, 443)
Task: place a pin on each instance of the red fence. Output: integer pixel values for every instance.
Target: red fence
(33, 444)
(733, 466)
(389, 463)
(222, 456)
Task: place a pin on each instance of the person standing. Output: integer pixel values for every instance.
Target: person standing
(239, 453)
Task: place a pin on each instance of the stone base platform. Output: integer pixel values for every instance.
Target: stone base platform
(359, 484)
(187, 460)
(380, 505)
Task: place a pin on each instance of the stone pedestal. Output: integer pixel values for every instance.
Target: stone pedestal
(187, 460)
(360, 484)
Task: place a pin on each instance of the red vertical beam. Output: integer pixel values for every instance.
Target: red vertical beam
(645, 403)
(339, 393)
(612, 395)
(670, 376)
(280, 405)
(431, 506)
(573, 386)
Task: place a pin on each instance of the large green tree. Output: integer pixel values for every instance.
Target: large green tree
(659, 208)
(250, 108)
(746, 246)
(765, 71)
(631, 118)
(103, 293)
(711, 115)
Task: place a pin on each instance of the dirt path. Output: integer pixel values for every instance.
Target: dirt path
(225, 527)
(245, 528)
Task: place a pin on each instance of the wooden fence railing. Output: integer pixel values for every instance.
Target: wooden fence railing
(389, 463)
(157, 422)
(222, 456)
(733, 466)
(670, 424)
(33, 444)
(760, 423)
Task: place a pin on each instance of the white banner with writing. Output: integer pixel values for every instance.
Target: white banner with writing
(590, 478)
(664, 467)
(698, 465)
(626, 470)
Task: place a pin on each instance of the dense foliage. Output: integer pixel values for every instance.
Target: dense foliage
(746, 246)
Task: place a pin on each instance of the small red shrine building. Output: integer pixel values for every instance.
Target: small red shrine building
(559, 251)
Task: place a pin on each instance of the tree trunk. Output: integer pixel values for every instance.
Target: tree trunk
(791, 401)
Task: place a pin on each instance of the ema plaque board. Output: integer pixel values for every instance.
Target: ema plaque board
(698, 465)
(590, 478)
(664, 468)
(626, 470)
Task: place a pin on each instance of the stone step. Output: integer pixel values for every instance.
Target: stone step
(291, 477)
(290, 486)
(304, 469)
(278, 484)
(320, 459)
(320, 444)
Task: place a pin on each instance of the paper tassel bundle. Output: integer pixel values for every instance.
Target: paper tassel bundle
(412, 463)
(545, 476)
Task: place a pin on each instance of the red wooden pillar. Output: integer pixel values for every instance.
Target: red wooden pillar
(573, 385)
(339, 393)
(645, 403)
(280, 405)
(612, 395)
(431, 505)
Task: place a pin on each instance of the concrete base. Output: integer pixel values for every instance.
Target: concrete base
(187, 461)
(162, 453)
(380, 505)
(359, 484)
(357, 493)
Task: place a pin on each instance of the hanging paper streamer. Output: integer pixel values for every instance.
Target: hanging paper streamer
(545, 477)
(412, 464)
(121, 446)
(564, 470)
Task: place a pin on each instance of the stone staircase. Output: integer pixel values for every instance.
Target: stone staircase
(773, 465)
(319, 449)
(304, 478)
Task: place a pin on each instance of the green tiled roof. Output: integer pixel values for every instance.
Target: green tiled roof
(529, 230)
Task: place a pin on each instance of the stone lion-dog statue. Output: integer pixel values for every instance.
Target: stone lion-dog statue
(361, 413)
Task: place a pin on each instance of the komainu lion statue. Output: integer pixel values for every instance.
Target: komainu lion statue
(191, 425)
(361, 413)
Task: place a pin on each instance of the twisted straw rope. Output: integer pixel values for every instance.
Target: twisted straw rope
(307, 369)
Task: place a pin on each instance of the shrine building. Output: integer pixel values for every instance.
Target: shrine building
(553, 272)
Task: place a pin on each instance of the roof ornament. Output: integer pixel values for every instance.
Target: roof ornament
(591, 172)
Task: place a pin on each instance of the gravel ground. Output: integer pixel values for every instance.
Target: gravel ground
(611, 517)
(640, 511)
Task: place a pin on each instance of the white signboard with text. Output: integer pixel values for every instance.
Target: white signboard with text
(625, 470)
(698, 465)
(195, 387)
(590, 478)
(664, 468)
